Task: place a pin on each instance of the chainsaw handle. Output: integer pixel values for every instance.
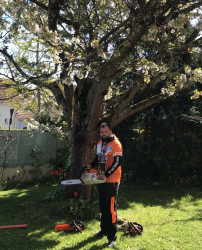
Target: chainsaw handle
(80, 227)
(84, 169)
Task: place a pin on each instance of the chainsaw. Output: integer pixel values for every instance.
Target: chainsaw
(88, 177)
(135, 228)
(74, 226)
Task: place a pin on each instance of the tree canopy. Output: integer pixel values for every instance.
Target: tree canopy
(99, 57)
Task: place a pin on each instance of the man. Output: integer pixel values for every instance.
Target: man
(108, 159)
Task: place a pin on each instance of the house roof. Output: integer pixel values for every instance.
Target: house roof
(10, 96)
(24, 114)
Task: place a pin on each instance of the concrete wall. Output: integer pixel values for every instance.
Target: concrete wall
(16, 152)
(22, 173)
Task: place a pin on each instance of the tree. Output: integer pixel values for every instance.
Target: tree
(85, 46)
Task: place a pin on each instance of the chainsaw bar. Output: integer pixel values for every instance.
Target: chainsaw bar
(86, 179)
(71, 182)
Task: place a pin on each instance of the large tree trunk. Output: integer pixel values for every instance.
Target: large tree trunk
(83, 152)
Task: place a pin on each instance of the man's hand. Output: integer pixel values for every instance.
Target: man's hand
(101, 177)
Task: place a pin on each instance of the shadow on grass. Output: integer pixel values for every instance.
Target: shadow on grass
(88, 240)
(13, 239)
(25, 206)
(156, 195)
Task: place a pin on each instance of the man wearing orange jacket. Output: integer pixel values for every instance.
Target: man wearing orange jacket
(108, 159)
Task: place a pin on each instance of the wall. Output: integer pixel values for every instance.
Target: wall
(16, 148)
(5, 114)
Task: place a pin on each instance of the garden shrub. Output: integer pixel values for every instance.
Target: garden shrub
(165, 156)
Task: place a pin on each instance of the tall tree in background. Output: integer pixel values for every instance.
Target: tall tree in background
(84, 46)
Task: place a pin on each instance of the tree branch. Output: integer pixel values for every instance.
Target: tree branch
(9, 98)
(23, 74)
(198, 43)
(112, 31)
(133, 109)
(123, 99)
(192, 7)
(5, 53)
(111, 69)
(136, 108)
(60, 99)
(127, 98)
(192, 37)
(59, 17)
(43, 6)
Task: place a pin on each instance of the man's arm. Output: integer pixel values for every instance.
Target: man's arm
(116, 163)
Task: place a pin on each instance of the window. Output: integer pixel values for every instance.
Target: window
(6, 121)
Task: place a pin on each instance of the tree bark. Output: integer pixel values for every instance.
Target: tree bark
(83, 152)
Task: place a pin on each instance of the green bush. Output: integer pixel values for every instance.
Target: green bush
(77, 208)
(73, 208)
(63, 158)
(165, 156)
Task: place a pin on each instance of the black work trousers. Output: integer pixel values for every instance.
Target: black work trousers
(107, 201)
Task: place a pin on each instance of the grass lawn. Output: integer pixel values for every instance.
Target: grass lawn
(171, 219)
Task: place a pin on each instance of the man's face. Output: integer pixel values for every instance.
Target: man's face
(105, 133)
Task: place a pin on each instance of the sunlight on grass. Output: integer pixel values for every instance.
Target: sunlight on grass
(18, 193)
(9, 193)
(36, 232)
(186, 198)
(22, 194)
(167, 223)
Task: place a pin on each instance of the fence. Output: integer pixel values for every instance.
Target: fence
(16, 148)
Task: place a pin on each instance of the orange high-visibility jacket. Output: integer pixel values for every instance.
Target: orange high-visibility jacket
(106, 155)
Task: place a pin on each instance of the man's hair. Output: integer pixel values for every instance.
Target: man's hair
(105, 124)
